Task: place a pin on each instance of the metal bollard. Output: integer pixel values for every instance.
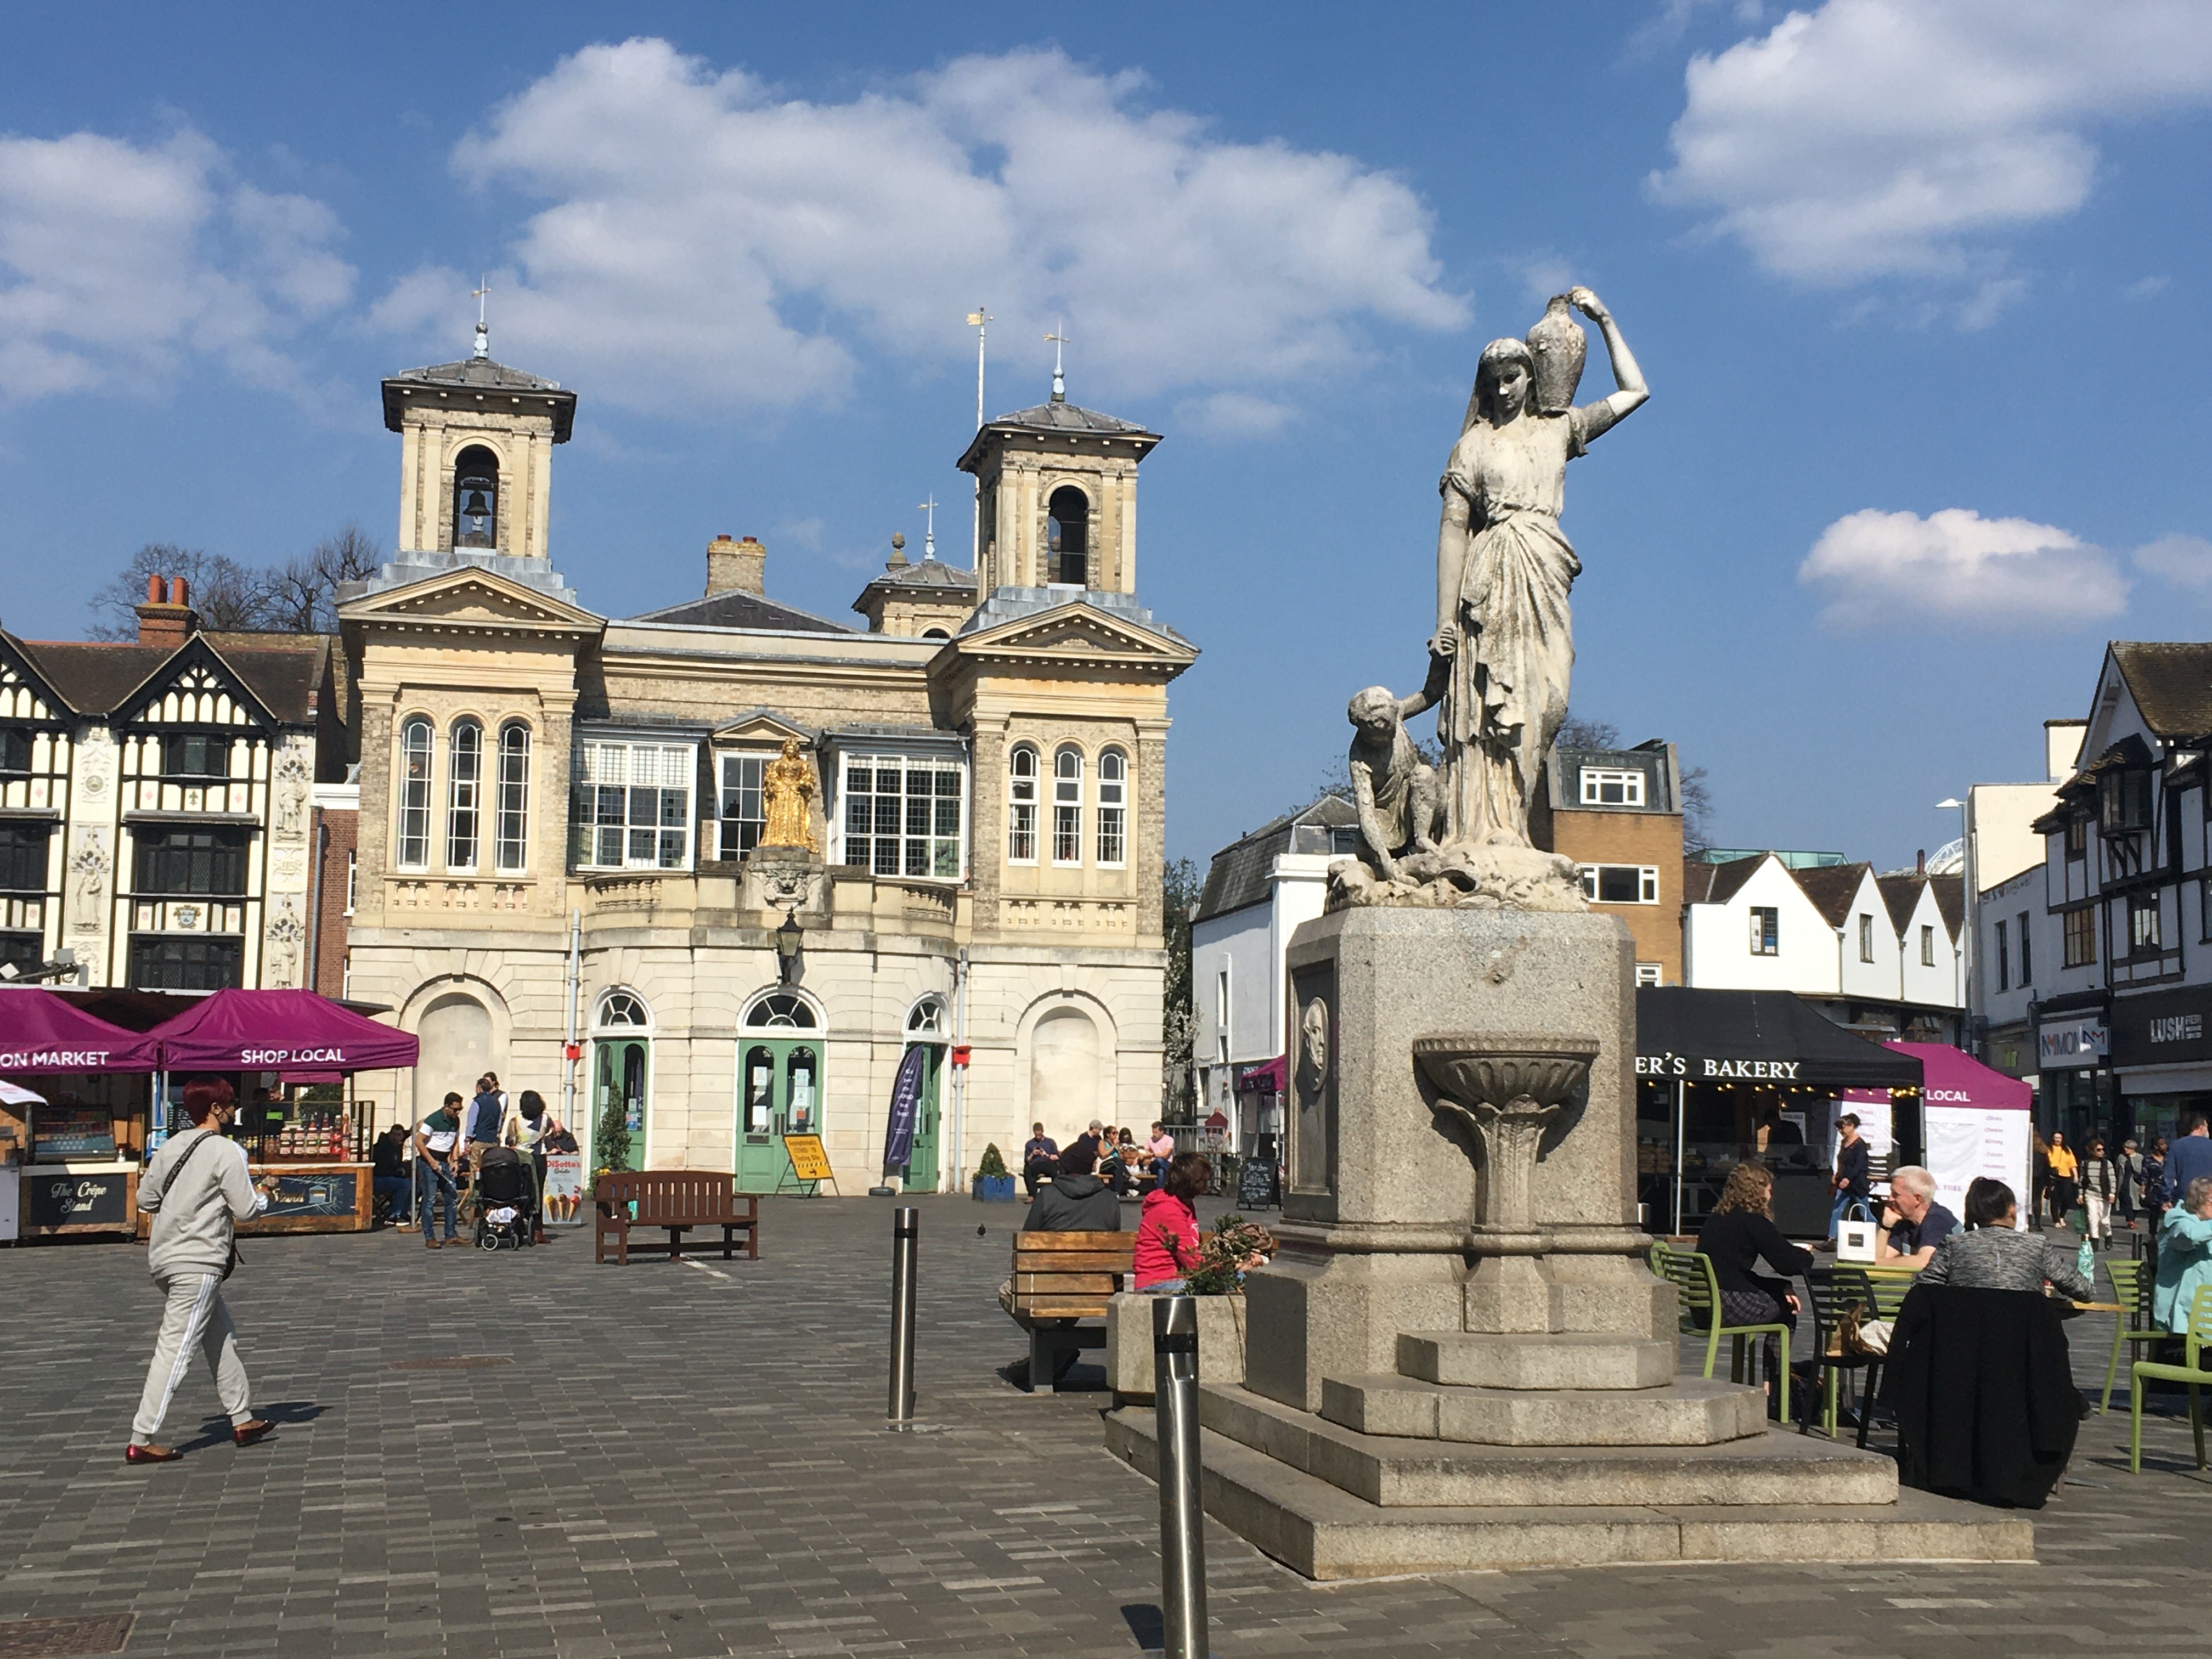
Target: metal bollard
(906, 1228)
(1182, 1515)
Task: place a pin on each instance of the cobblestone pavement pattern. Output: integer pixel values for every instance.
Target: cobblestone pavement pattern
(679, 1462)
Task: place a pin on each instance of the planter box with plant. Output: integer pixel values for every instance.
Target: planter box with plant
(994, 1183)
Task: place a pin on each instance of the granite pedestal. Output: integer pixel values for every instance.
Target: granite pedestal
(1458, 1358)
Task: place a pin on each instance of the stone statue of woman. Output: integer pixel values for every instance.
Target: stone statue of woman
(1504, 570)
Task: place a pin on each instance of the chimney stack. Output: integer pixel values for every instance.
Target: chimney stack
(1920, 862)
(166, 618)
(736, 567)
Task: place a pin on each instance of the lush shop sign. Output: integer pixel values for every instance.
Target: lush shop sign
(2163, 1028)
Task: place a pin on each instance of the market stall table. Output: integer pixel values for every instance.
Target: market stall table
(69, 1158)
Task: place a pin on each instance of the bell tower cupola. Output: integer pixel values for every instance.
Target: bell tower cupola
(1058, 484)
(476, 458)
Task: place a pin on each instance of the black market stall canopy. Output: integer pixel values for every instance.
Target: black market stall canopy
(1684, 1035)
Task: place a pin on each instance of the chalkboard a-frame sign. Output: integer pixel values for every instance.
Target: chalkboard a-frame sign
(1255, 1185)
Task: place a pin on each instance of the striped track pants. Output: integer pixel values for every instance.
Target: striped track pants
(192, 1315)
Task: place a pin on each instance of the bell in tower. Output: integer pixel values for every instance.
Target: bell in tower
(476, 498)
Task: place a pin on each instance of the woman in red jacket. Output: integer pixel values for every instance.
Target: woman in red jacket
(1167, 1227)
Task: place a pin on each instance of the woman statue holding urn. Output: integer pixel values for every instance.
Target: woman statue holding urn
(1504, 569)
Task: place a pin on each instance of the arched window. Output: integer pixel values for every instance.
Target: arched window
(935, 634)
(622, 1011)
(1022, 805)
(1067, 805)
(928, 1021)
(476, 498)
(415, 794)
(1067, 530)
(512, 829)
(463, 794)
(780, 1011)
(1113, 808)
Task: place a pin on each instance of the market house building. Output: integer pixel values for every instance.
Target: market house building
(558, 845)
(154, 799)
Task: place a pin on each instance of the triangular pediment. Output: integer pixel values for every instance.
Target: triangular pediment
(470, 600)
(1077, 634)
(763, 726)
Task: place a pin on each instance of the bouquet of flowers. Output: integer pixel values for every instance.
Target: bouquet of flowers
(1225, 1255)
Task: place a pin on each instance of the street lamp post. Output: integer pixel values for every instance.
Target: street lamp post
(1969, 956)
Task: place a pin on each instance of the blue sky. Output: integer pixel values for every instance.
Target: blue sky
(1918, 287)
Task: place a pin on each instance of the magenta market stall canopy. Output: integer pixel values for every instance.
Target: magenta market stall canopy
(295, 1033)
(41, 1033)
(1974, 1122)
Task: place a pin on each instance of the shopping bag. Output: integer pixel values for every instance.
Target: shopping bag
(1855, 1241)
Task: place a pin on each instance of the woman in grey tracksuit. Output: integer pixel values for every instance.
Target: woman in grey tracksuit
(196, 1188)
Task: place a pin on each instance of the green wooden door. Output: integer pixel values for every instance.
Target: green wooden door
(619, 1078)
(920, 1172)
(779, 1094)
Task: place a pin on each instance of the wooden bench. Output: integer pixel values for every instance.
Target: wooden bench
(673, 1201)
(1060, 1278)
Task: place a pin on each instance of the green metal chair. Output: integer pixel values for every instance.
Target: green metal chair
(1830, 1294)
(2197, 1337)
(2132, 1287)
(1698, 1307)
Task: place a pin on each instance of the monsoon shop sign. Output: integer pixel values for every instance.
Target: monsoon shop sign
(281, 1057)
(1688, 1066)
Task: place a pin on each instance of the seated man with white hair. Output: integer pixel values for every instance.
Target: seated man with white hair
(1915, 1222)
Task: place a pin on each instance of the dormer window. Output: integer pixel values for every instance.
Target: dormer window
(2124, 801)
(1603, 786)
(476, 498)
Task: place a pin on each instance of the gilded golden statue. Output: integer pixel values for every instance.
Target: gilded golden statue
(786, 785)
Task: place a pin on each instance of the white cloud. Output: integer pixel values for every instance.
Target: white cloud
(119, 261)
(2185, 561)
(704, 238)
(1873, 138)
(1880, 569)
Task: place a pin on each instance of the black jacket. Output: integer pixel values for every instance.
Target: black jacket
(1736, 1239)
(1074, 1203)
(1984, 1393)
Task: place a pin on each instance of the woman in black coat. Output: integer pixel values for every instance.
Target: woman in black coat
(1738, 1234)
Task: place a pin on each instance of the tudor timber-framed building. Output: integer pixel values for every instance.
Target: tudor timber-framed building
(991, 770)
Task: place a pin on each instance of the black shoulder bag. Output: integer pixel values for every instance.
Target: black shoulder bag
(230, 1267)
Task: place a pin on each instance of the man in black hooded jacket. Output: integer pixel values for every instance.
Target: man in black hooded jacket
(1077, 1201)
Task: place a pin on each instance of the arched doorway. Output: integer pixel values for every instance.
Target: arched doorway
(621, 1081)
(455, 1034)
(928, 1027)
(1064, 1070)
(780, 1083)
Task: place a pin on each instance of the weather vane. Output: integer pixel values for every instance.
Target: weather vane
(1056, 340)
(929, 535)
(484, 334)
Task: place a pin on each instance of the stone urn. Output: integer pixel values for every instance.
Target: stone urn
(1558, 345)
(1509, 1086)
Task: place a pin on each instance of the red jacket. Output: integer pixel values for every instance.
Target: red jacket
(1166, 1238)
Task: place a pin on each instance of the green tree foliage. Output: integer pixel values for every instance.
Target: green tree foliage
(1181, 882)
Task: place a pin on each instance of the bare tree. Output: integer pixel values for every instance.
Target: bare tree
(298, 596)
(1577, 733)
(226, 594)
(304, 591)
(1697, 811)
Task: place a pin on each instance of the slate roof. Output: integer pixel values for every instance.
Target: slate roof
(740, 610)
(1061, 418)
(1902, 895)
(1831, 889)
(1950, 901)
(96, 677)
(1238, 874)
(1716, 884)
(479, 374)
(926, 573)
(2172, 685)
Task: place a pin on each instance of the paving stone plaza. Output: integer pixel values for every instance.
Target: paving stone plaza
(678, 1459)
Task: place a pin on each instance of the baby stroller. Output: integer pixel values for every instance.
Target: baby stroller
(505, 1200)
